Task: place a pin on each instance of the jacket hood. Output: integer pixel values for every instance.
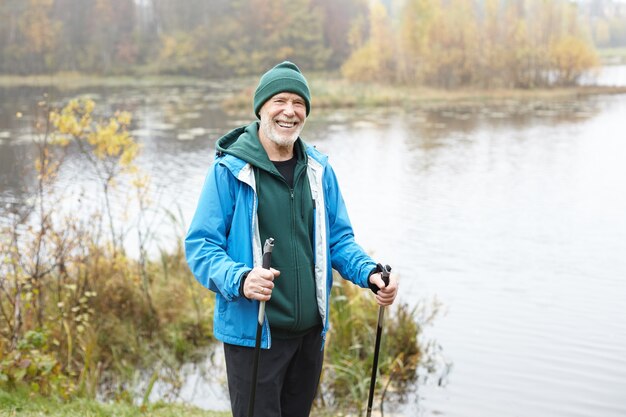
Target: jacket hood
(243, 142)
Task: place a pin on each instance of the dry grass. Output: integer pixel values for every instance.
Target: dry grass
(335, 93)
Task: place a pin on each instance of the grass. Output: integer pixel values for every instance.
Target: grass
(72, 80)
(334, 93)
(349, 351)
(330, 90)
(81, 316)
(24, 405)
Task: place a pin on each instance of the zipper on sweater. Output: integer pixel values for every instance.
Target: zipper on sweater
(298, 311)
(294, 251)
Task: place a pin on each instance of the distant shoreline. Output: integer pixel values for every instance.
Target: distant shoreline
(330, 91)
(77, 80)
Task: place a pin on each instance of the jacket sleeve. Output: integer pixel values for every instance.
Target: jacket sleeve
(347, 257)
(206, 243)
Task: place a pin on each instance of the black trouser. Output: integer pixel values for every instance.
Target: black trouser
(288, 376)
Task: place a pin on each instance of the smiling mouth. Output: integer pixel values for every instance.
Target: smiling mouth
(286, 125)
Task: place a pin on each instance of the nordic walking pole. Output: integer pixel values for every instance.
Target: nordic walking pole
(381, 315)
(267, 262)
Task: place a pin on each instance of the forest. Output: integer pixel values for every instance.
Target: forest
(440, 43)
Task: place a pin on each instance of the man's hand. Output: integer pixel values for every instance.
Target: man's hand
(259, 283)
(385, 295)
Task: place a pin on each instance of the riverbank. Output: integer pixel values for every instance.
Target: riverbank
(335, 93)
(75, 81)
(613, 56)
(26, 405)
(330, 91)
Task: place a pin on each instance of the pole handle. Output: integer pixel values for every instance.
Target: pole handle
(266, 263)
(267, 253)
(384, 273)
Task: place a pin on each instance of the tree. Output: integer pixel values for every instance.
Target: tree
(571, 57)
(375, 60)
(454, 44)
(34, 34)
(339, 17)
(417, 18)
(490, 43)
(269, 31)
(111, 30)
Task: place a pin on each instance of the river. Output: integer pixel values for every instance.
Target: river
(513, 217)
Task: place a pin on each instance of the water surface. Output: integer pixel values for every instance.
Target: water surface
(512, 216)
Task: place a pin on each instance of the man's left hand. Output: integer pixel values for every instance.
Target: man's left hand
(385, 295)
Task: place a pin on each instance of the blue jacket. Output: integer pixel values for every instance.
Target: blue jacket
(223, 243)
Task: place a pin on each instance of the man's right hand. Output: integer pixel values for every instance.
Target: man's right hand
(259, 283)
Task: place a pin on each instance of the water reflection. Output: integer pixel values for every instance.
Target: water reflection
(519, 225)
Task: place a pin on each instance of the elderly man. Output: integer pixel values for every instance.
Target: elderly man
(266, 182)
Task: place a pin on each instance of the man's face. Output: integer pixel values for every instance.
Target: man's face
(282, 118)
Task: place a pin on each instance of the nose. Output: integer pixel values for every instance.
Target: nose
(289, 109)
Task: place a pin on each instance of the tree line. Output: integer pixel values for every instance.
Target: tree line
(486, 43)
(442, 43)
(606, 20)
(192, 37)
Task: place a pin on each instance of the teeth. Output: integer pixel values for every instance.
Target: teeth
(286, 124)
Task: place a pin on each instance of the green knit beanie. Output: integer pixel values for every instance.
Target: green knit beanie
(284, 77)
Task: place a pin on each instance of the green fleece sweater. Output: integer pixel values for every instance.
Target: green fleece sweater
(286, 214)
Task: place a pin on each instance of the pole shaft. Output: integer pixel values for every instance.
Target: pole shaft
(255, 368)
(384, 270)
(379, 332)
(266, 263)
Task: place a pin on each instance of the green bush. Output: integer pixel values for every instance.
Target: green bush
(350, 348)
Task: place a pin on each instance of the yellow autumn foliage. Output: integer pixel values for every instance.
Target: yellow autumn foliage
(459, 43)
(374, 60)
(108, 140)
(571, 57)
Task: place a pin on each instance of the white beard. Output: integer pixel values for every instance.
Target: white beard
(283, 140)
